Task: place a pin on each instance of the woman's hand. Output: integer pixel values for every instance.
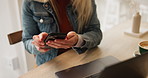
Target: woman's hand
(70, 40)
(38, 41)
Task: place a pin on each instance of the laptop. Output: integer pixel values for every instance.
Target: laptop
(136, 67)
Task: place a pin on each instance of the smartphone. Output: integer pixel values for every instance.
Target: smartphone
(53, 36)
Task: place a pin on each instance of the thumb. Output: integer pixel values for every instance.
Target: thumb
(71, 34)
(43, 35)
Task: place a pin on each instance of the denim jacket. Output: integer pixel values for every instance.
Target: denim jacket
(39, 17)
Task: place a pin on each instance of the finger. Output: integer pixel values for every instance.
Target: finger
(42, 50)
(37, 44)
(36, 38)
(71, 41)
(63, 42)
(56, 45)
(53, 45)
(43, 35)
(60, 42)
(70, 34)
(74, 38)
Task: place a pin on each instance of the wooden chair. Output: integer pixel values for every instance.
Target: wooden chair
(15, 37)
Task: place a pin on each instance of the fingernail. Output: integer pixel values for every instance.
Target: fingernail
(48, 42)
(66, 38)
(42, 43)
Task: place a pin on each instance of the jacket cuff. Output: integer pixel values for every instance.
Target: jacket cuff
(79, 50)
(80, 41)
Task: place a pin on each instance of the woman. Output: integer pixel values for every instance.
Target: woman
(39, 19)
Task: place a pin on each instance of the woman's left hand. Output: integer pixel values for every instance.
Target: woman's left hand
(70, 40)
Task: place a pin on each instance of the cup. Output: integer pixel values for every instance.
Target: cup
(143, 47)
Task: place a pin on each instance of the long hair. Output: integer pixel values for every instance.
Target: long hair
(84, 11)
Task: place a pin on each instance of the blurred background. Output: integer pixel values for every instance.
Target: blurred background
(14, 60)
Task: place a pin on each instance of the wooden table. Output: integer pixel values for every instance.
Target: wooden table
(115, 43)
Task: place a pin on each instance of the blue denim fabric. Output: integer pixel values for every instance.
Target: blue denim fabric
(34, 11)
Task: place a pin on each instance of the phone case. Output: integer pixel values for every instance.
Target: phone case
(53, 36)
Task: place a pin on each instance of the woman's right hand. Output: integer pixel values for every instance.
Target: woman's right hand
(38, 41)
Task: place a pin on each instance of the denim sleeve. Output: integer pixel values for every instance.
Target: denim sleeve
(92, 33)
(29, 27)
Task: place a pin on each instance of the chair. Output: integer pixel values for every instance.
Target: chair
(16, 37)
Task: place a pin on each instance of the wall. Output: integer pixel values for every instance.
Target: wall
(30, 60)
(10, 22)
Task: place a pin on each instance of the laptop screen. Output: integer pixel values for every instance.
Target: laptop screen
(87, 69)
(133, 68)
(136, 67)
